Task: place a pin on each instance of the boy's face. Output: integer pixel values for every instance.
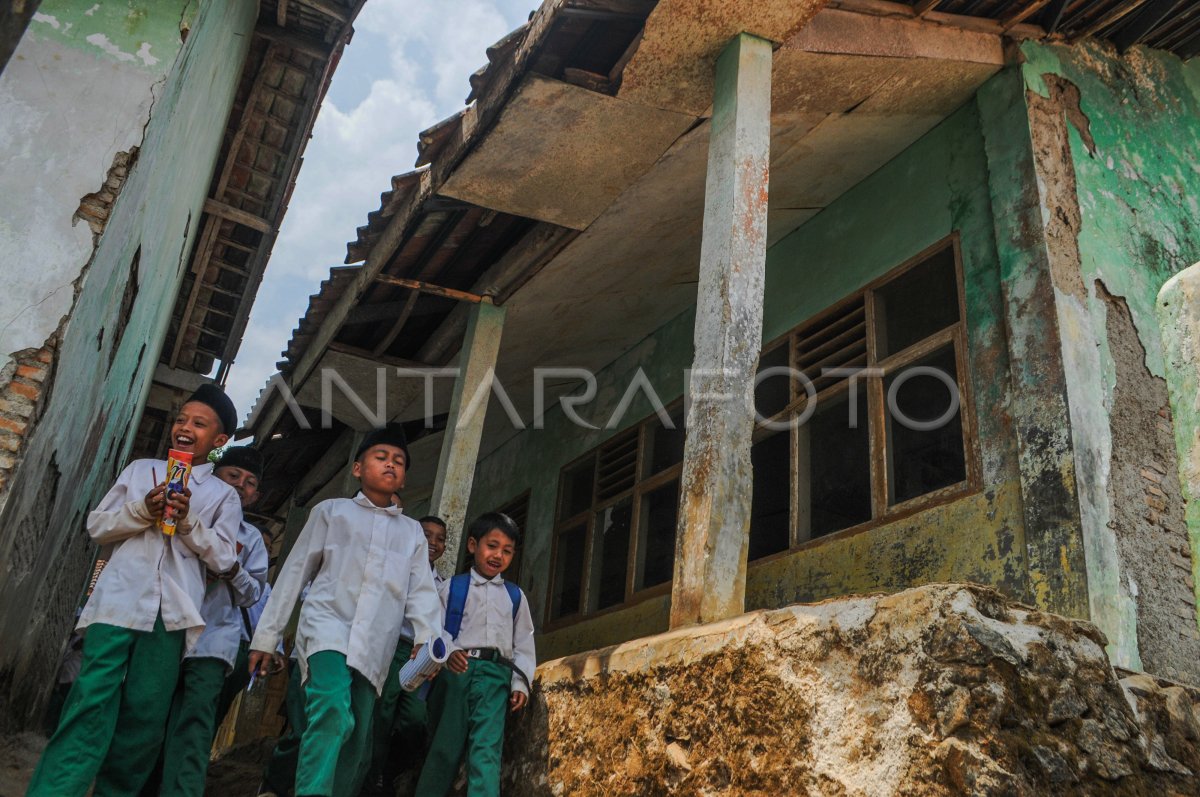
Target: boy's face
(493, 552)
(242, 481)
(435, 535)
(197, 430)
(381, 469)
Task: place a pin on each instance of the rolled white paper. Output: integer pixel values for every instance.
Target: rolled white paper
(428, 661)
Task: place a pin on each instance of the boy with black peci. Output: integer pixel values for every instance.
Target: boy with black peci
(488, 674)
(193, 720)
(369, 570)
(400, 722)
(145, 610)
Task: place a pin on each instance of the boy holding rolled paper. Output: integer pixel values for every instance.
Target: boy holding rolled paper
(400, 714)
(369, 570)
(488, 619)
(145, 610)
(192, 722)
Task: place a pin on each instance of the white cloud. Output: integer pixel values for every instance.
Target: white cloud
(406, 68)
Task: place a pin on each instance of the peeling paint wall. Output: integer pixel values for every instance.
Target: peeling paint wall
(937, 186)
(1115, 141)
(109, 348)
(77, 92)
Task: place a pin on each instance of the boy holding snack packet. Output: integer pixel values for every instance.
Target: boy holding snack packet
(193, 719)
(145, 610)
(489, 620)
(369, 570)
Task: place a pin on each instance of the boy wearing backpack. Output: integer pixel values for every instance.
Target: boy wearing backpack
(489, 620)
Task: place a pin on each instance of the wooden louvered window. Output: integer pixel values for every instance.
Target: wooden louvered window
(831, 453)
(614, 537)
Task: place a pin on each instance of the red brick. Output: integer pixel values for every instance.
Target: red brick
(16, 427)
(46, 355)
(28, 391)
(35, 373)
(10, 442)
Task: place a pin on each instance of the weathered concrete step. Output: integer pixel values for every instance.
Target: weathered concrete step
(943, 689)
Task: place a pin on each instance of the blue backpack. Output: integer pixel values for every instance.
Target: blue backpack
(457, 601)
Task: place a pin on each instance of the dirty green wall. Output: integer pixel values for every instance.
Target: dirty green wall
(937, 186)
(1133, 134)
(88, 425)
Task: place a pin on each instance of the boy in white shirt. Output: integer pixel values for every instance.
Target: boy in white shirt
(193, 718)
(369, 568)
(145, 610)
(489, 620)
(399, 713)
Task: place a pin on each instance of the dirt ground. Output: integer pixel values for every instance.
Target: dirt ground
(18, 756)
(233, 775)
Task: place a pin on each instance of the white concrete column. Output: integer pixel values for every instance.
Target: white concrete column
(714, 507)
(468, 409)
(1179, 321)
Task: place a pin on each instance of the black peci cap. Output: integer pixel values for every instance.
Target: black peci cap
(390, 435)
(215, 398)
(244, 457)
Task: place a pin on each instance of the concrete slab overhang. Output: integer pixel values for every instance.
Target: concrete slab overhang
(850, 92)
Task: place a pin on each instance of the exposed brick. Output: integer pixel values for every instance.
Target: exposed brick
(35, 373)
(1151, 475)
(7, 462)
(10, 442)
(28, 391)
(16, 427)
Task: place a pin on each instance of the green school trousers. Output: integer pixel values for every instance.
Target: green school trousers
(279, 775)
(400, 713)
(237, 680)
(468, 712)
(190, 727)
(336, 745)
(113, 722)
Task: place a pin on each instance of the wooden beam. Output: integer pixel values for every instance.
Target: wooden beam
(432, 290)
(329, 9)
(1019, 15)
(1147, 20)
(301, 42)
(281, 9)
(921, 6)
(1053, 15)
(231, 213)
(397, 325)
(1114, 14)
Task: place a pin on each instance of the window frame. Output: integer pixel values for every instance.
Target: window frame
(643, 484)
(872, 389)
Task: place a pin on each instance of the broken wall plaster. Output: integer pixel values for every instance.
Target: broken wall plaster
(1134, 128)
(67, 103)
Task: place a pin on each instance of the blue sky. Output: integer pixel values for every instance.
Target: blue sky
(406, 68)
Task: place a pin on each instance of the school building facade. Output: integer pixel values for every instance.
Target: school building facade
(994, 214)
(151, 148)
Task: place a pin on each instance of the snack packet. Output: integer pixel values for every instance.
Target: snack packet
(179, 468)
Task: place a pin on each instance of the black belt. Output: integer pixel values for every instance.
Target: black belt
(484, 654)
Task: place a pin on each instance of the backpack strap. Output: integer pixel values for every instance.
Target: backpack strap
(514, 594)
(456, 602)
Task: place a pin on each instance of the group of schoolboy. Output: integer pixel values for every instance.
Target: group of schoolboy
(179, 623)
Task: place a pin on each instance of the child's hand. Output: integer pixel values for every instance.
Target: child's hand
(156, 500)
(517, 701)
(263, 663)
(457, 662)
(178, 501)
(416, 649)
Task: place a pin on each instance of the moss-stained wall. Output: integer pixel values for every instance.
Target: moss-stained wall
(1115, 140)
(75, 452)
(937, 186)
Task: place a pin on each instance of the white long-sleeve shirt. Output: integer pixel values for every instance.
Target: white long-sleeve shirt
(150, 572)
(488, 622)
(224, 600)
(369, 568)
(407, 631)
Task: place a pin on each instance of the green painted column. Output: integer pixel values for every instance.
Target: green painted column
(714, 506)
(1179, 322)
(468, 410)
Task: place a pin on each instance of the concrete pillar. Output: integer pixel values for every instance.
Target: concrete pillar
(468, 408)
(714, 506)
(1179, 320)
